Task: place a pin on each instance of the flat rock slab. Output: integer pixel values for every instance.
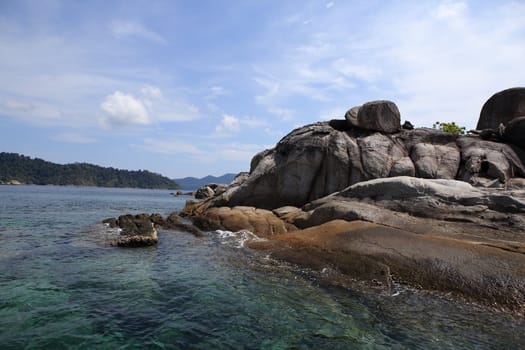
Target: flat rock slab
(487, 273)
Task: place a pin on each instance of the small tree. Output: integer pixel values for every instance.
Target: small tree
(449, 127)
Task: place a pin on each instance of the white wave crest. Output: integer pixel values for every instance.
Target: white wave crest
(236, 239)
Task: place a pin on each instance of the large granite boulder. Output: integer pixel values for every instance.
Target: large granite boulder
(501, 108)
(380, 116)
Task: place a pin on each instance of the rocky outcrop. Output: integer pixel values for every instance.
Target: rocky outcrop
(319, 159)
(422, 206)
(141, 230)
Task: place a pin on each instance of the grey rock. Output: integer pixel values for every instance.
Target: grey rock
(501, 108)
(204, 192)
(515, 132)
(435, 161)
(351, 116)
(488, 159)
(379, 116)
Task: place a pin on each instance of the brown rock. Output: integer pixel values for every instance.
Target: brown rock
(261, 222)
(484, 272)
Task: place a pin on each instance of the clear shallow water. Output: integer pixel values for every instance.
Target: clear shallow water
(61, 287)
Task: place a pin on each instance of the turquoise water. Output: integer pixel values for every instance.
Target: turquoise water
(62, 287)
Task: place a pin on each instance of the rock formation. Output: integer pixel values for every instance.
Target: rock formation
(362, 195)
(141, 230)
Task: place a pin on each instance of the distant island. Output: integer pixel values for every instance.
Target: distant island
(192, 183)
(19, 169)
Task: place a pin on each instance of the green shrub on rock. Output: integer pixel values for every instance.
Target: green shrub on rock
(449, 127)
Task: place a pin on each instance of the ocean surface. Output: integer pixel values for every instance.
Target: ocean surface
(63, 287)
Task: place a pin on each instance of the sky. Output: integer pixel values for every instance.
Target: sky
(192, 88)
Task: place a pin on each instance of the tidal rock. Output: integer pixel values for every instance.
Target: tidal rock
(259, 221)
(137, 231)
(478, 270)
(501, 108)
(379, 116)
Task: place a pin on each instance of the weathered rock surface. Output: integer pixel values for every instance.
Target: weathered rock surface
(376, 252)
(261, 221)
(319, 159)
(380, 116)
(501, 108)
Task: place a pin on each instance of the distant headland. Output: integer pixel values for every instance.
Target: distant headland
(19, 169)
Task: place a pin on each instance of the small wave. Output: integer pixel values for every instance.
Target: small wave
(236, 239)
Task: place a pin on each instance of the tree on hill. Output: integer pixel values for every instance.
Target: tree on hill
(36, 171)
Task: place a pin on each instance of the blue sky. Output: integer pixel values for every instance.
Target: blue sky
(191, 88)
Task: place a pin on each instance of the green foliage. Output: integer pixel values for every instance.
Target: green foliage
(449, 127)
(40, 172)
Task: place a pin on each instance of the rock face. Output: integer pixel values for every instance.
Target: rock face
(426, 207)
(382, 253)
(501, 108)
(319, 159)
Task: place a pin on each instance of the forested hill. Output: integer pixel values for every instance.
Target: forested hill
(18, 168)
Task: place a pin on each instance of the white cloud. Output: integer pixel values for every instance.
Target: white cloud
(123, 29)
(329, 4)
(434, 60)
(217, 91)
(229, 124)
(151, 91)
(450, 10)
(124, 109)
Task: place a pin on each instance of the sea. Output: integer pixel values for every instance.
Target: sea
(62, 286)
